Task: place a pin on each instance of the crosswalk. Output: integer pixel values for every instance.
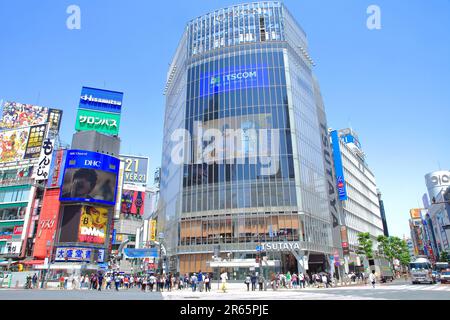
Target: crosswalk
(417, 287)
(401, 287)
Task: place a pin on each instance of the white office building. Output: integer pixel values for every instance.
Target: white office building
(361, 211)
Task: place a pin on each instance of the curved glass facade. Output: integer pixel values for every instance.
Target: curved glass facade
(244, 70)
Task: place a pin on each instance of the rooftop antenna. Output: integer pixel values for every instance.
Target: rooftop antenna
(38, 98)
(439, 166)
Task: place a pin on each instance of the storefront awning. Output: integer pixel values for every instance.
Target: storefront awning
(130, 253)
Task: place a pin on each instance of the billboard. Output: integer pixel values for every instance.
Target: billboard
(415, 213)
(90, 177)
(54, 119)
(93, 224)
(101, 100)
(103, 122)
(42, 168)
(79, 254)
(340, 180)
(152, 230)
(132, 202)
(135, 170)
(18, 115)
(344, 241)
(13, 144)
(35, 140)
(56, 169)
(233, 78)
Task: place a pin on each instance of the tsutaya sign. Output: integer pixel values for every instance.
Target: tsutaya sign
(280, 246)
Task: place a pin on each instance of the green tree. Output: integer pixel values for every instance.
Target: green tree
(393, 248)
(384, 247)
(443, 257)
(365, 245)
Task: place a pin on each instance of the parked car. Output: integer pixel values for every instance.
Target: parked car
(445, 276)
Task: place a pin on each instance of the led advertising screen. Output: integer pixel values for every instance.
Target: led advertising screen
(132, 202)
(101, 100)
(13, 144)
(90, 177)
(93, 224)
(103, 122)
(233, 78)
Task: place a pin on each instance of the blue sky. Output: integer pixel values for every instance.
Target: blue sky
(391, 85)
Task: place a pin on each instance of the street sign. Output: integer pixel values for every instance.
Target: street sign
(258, 248)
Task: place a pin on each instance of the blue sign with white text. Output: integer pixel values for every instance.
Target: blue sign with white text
(233, 78)
(101, 100)
(340, 180)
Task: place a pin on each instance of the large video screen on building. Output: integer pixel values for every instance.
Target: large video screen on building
(90, 177)
(233, 78)
(84, 224)
(93, 224)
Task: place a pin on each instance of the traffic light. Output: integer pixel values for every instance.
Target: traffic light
(257, 258)
(20, 267)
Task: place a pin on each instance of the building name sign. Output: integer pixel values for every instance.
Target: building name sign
(280, 246)
(440, 180)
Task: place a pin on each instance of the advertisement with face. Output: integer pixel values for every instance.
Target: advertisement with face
(90, 177)
(13, 144)
(93, 224)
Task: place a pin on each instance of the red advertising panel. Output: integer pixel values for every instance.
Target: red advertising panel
(48, 221)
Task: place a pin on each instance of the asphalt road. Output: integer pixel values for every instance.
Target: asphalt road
(396, 291)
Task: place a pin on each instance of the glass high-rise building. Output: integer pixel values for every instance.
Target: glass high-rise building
(246, 68)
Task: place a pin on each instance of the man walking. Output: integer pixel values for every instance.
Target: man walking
(200, 280)
(372, 278)
(254, 279)
(194, 280)
(261, 282)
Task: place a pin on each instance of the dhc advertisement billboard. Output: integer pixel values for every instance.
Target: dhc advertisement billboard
(90, 177)
(340, 180)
